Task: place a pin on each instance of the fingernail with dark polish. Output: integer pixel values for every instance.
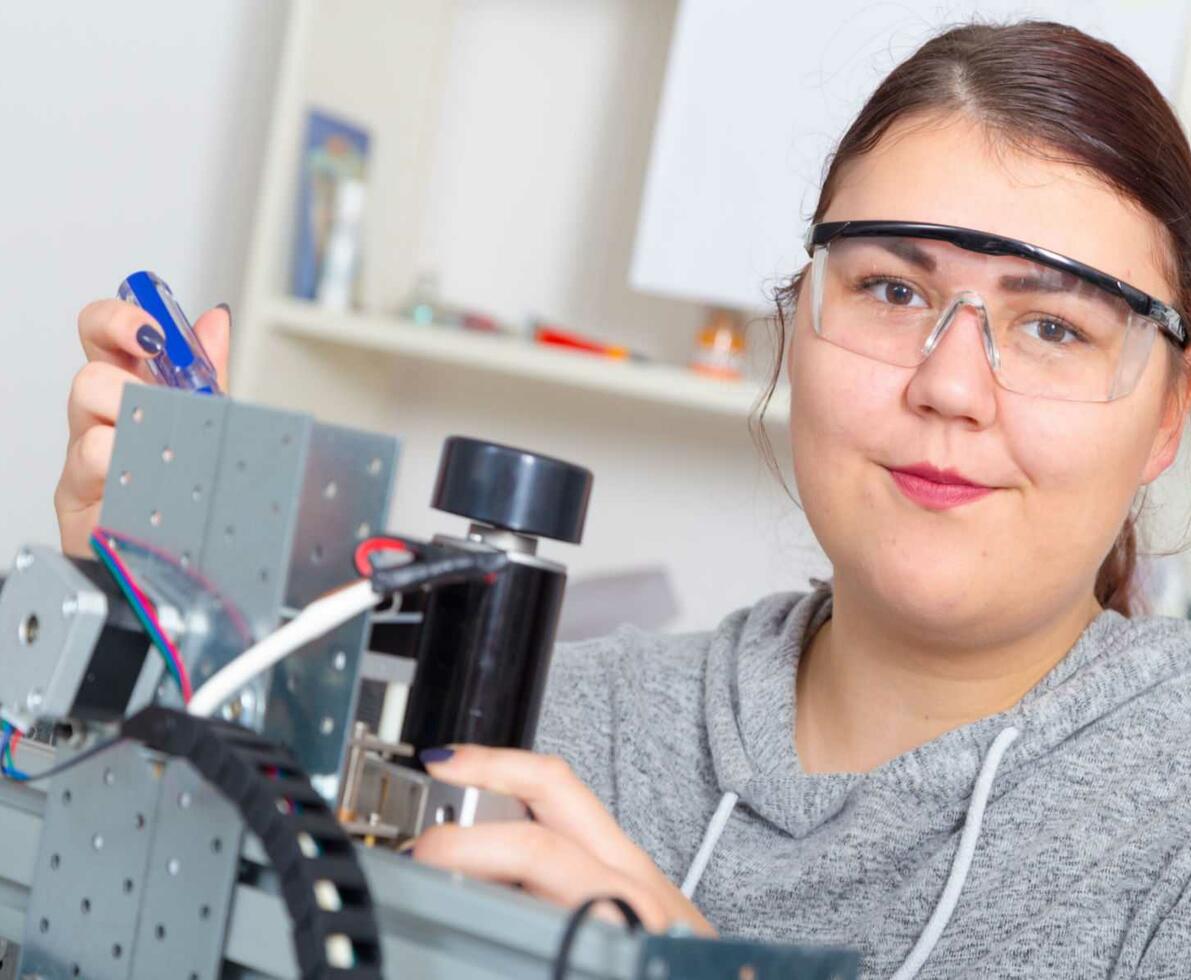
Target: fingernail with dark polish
(226, 309)
(429, 756)
(150, 340)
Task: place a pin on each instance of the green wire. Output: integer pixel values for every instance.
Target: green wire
(156, 638)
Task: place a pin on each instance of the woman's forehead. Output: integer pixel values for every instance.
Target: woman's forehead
(952, 172)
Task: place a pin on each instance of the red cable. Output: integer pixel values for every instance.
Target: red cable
(370, 546)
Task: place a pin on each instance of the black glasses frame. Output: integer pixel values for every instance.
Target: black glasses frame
(988, 244)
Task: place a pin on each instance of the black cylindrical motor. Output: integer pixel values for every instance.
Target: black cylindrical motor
(484, 649)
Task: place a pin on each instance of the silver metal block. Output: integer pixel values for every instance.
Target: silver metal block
(50, 619)
(395, 802)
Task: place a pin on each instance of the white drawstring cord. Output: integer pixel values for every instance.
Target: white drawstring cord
(719, 821)
(962, 861)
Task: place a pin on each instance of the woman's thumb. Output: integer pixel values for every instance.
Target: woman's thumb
(213, 329)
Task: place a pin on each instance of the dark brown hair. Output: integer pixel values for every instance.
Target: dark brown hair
(1054, 92)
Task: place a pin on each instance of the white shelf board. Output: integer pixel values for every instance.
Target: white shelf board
(514, 357)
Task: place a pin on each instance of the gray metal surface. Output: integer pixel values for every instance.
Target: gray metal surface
(128, 881)
(91, 862)
(345, 498)
(204, 490)
(8, 959)
(51, 617)
(435, 926)
(191, 873)
(222, 499)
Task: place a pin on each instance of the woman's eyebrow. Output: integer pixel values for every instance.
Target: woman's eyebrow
(1057, 281)
(909, 251)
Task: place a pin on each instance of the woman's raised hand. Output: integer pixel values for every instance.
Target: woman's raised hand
(118, 339)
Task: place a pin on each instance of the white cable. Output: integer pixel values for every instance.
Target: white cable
(962, 861)
(317, 619)
(719, 820)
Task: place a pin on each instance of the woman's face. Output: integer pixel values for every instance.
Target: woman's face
(1065, 472)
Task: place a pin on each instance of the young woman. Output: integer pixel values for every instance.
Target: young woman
(965, 755)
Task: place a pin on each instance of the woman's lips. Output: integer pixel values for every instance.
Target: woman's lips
(930, 491)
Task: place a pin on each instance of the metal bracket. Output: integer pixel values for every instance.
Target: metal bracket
(237, 513)
(134, 874)
(56, 615)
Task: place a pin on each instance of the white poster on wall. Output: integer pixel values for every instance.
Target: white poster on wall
(758, 91)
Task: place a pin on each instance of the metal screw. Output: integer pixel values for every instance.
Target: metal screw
(340, 660)
(24, 559)
(70, 606)
(34, 699)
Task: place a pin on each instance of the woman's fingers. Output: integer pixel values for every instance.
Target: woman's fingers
(79, 494)
(541, 860)
(555, 795)
(87, 461)
(95, 396)
(108, 331)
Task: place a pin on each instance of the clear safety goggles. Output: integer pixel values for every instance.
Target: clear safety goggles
(1052, 327)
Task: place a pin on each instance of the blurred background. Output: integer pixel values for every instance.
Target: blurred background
(550, 223)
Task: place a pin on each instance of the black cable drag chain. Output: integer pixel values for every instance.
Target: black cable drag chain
(307, 847)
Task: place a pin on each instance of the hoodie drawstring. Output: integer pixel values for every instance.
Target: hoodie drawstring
(962, 862)
(719, 820)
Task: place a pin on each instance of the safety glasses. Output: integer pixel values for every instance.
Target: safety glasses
(1051, 326)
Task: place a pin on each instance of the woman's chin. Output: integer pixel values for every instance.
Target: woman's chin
(937, 594)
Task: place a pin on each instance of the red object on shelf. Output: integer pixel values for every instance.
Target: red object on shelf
(554, 337)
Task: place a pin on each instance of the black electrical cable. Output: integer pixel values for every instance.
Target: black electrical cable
(305, 843)
(562, 959)
(437, 566)
(53, 771)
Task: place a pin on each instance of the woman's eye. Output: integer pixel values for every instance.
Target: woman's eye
(893, 292)
(1052, 332)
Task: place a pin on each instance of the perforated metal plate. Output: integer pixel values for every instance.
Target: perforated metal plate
(345, 498)
(119, 857)
(191, 874)
(238, 512)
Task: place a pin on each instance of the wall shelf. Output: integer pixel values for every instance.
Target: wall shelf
(513, 357)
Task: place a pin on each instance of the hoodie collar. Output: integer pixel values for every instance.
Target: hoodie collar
(750, 710)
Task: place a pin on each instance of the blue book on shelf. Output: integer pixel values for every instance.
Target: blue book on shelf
(334, 150)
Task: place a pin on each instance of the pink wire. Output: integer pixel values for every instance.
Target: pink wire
(150, 611)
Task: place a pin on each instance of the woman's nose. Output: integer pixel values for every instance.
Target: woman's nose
(956, 380)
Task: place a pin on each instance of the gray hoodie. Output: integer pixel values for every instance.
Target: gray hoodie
(1050, 840)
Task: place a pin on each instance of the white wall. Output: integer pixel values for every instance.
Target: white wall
(133, 133)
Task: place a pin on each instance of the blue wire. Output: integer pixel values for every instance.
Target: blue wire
(7, 768)
(154, 634)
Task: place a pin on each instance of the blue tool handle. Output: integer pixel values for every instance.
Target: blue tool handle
(182, 363)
